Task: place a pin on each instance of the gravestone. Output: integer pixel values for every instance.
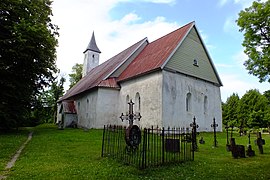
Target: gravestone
(249, 151)
(202, 141)
(260, 142)
(237, 150)
(172, 145)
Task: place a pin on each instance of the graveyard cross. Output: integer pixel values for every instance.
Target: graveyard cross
(227, 131)
(130, 116)
(194, 134)
(260, 142)
(133, 132)
(228, 146)
(214, 125)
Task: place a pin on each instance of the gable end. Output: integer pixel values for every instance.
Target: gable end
(191, 58)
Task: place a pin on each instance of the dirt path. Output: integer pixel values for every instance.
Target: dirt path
(11, 163)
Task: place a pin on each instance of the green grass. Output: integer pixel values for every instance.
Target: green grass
(10, 141)
(76, 154)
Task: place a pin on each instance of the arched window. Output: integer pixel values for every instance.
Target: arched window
(205, 107)
(126, 105)
(188, 102)
(137, 103)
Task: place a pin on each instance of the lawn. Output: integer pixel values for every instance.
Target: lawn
(76, 154)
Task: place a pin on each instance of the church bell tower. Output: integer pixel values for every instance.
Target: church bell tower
(91, 56)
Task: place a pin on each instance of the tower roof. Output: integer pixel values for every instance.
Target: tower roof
(92, 45)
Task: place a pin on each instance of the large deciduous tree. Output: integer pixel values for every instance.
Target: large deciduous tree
(255, 23)
(27, 56)
(252, 111)
(230, 116)
(76, 74)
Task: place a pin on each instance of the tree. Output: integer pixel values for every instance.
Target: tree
(252, 110)
(230, 115)
(27, 56)
(267, 95)
(255, 23)
(45, 108)
(76, 74)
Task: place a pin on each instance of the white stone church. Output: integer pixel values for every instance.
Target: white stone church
(170, 80)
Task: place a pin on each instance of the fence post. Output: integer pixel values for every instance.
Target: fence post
(144, 148)
(163, 146)
(103, 141)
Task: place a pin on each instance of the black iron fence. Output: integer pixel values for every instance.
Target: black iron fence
(157, 146)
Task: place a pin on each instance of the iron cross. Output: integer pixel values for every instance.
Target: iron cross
(130, 116)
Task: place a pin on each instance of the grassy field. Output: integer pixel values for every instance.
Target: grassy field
(76, 154)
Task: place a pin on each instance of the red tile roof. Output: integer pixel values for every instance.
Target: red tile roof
(155, 54)
(96, 76)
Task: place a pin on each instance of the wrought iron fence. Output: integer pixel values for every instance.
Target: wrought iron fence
(158, 146)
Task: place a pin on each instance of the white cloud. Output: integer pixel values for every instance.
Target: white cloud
(240, 84)
(78, 19)
(240, 57)
(243, 3)
(222, 2)
(230, 25)
(161, 1)
(129, 18)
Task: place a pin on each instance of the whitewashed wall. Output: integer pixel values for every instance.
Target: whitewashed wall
(107, 107)
(149, 88)
(86, 109)
(175, 89)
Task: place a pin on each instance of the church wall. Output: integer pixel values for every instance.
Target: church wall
(201, 97)
(107, 107)
(146, 89)
(86, 109)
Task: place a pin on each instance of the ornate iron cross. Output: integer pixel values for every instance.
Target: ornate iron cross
(214, 125)
(194, 127)
(130, 116)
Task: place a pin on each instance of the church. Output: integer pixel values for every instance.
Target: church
(170, 80)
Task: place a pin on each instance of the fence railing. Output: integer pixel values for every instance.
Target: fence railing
(158, 146)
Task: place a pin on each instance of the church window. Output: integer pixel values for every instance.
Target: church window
(205, 104)
(137, 103)
(93, 56)
(126, 105)
(188, 102)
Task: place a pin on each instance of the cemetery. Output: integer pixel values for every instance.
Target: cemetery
(76, 153)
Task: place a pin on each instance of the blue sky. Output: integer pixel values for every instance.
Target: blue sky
(120, 23)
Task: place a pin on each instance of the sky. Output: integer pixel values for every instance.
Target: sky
(118, 24)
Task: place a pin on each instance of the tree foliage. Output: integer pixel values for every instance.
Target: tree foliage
(251, 111)
(27, 56)
(76, 74)
(230, 110)
(45, 108)
(255, 23)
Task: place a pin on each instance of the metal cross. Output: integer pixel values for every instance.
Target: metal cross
(214, 125)
(130, 116)
(194, 127)
(227, 130)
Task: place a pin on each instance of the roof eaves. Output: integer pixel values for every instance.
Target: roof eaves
(179, 44)
(211, 62)
(143, 41)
